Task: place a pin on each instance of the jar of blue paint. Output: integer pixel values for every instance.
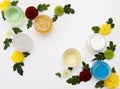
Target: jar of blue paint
(100, 70)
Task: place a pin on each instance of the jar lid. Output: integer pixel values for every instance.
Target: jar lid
(71, 58)
(22, 42)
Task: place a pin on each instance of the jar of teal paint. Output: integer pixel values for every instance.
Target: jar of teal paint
(14, 15)
(100, 70)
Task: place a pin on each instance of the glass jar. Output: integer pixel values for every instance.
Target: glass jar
(100, 70)
(71, 57)
(43, 23)
(22, 42)
(14, 15)
(96, 42)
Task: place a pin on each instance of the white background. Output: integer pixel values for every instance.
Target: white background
(70, 31)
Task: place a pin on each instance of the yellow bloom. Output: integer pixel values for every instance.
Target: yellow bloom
(17, 57)
(65, 73)
(9, 33)
(105, 29)
(5, 4)
(112, 82)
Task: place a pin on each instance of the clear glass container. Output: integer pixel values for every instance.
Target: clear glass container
(96, 42)
(22, 42)
(43, 23)
(14, 15)
(100, 70)
(71, 57)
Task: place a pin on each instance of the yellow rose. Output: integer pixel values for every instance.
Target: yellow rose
(17, 57)
(105, 29)
(112, 82)
(5, 4)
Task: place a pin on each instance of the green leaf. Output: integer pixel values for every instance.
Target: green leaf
(112, 25)
(15, 67)
(55, 18)
(99, 56)
(96, 29)
(26, 54)
(68, 9)
(85, 66)
(18, 67)
(99, 84)
(74, 80)
(43, 7)
(58, 74)
(21, 64)
(29, 24)
(110, 20)
(83, 63)
(7, 43)
(20, 70)
(72, 11)
(14, 3)
(111, 46)
(113, 70)
(17, 30)
(70, 68)
(3, 15)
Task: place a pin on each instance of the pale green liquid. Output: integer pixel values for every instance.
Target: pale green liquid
(14, 15)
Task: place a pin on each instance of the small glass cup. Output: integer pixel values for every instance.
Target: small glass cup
(71, 57)
(96, 42)
(14, 15)
(100, 70)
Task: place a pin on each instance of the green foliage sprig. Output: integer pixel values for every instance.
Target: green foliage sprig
(17, 30)
(74, 80)
(3, 15)
(29, 24)
(68, 9)
(85, 66)
(99, 84)
(14, 3)
(18, 67)
(111, 46)
(7, 43)
(43, 7)
(110, 21)
(58, 74)
(99, 56)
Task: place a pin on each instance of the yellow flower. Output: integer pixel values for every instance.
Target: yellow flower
(5, 4)
(9, 33)
(17, 57)
(105, 29)
(65, 73)
(112, 82)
